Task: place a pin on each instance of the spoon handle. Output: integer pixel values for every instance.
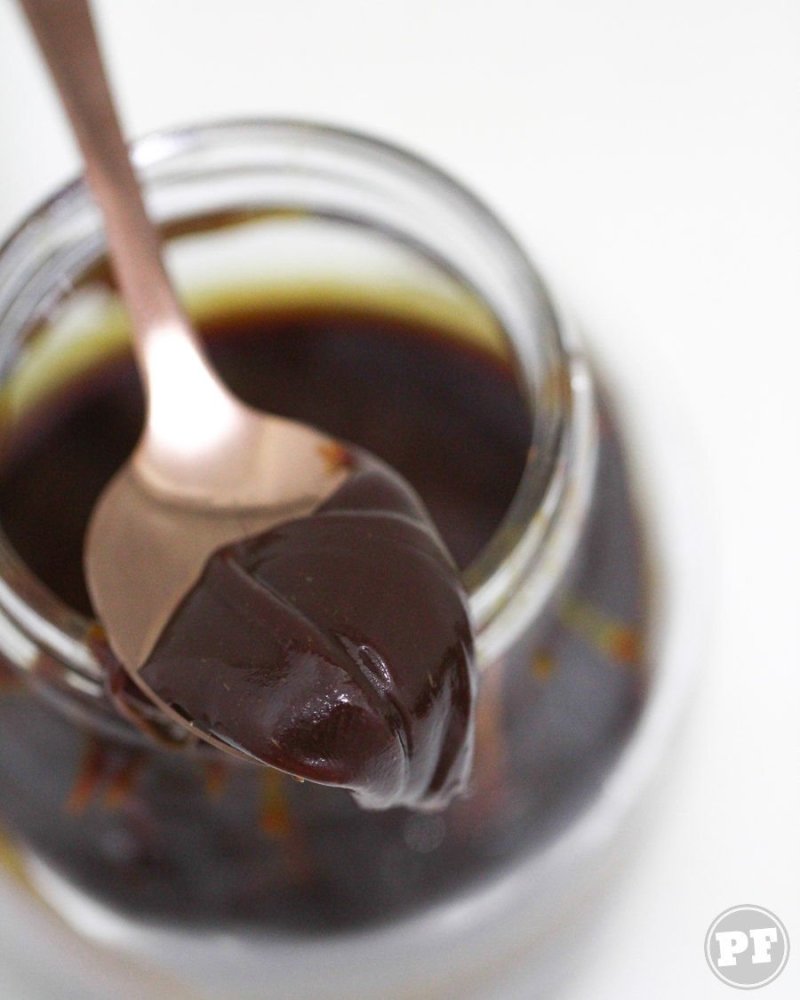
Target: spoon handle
(164, 342)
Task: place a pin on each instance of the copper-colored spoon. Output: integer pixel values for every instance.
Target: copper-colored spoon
(207, 469)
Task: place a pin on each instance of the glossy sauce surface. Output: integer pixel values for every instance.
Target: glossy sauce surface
(336, 647)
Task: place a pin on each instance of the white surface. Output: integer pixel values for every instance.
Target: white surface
(648, 155)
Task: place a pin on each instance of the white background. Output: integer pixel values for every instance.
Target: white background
(648, 155)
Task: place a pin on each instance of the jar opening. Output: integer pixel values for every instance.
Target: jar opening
(300, 172)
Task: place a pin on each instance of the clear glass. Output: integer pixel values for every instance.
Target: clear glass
(269, 209)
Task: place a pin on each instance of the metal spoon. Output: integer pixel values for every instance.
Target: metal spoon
(207, 469)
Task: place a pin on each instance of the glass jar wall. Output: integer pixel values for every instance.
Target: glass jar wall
(356, 265)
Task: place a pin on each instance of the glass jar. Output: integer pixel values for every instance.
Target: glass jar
(160, 849)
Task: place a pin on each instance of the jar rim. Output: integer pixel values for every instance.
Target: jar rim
(521, 565)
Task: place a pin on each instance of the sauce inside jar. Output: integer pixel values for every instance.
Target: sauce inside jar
(446, 415)
(199, 841)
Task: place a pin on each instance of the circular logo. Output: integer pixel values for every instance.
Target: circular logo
(747, 947)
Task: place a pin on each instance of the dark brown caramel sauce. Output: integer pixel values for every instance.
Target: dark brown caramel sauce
(336, 647)
(200, 841)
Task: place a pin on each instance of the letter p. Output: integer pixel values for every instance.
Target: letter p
(731, 944)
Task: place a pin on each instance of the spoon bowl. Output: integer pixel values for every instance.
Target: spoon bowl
(145, 528)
